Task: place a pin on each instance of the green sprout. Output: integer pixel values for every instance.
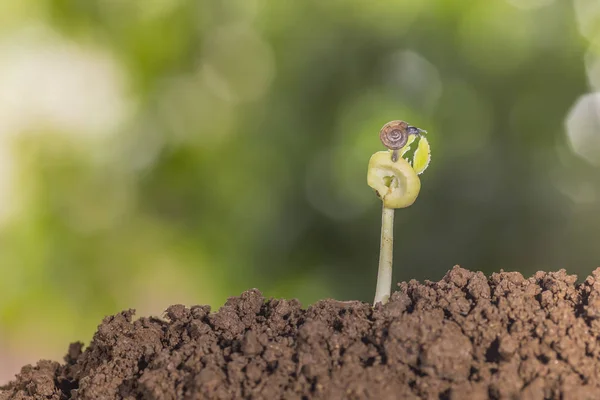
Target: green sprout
(396, 181)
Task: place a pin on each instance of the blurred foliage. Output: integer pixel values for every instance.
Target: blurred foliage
(163, 151)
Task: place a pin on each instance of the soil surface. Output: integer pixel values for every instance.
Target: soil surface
(466, 337)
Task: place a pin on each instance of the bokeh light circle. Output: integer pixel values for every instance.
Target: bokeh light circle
(583, 128)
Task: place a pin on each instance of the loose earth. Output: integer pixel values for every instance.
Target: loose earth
(467, 336)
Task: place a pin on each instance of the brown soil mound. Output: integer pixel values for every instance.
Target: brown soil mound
(465, 337)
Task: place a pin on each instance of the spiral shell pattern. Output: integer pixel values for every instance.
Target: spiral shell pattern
(394, 135)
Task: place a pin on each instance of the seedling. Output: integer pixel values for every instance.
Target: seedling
(395, 178)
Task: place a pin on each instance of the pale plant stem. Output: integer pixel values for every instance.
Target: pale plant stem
(384, 274)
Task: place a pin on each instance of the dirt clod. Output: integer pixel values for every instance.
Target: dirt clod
(467, 336)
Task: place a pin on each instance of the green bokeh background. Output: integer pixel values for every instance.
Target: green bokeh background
(214, 146)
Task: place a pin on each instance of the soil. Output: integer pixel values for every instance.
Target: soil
(466, 337)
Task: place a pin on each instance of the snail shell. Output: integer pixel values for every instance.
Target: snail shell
(394, 134)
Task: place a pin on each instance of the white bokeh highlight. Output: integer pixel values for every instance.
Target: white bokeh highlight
(49, 82)
(583, 128)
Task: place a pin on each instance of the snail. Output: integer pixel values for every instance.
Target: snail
(395, 179)
(394, 135)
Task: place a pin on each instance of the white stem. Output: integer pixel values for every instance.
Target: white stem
(384, 274)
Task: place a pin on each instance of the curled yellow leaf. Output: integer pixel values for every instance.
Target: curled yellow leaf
(396, 183)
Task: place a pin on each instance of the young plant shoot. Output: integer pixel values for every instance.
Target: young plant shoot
(395, 178)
